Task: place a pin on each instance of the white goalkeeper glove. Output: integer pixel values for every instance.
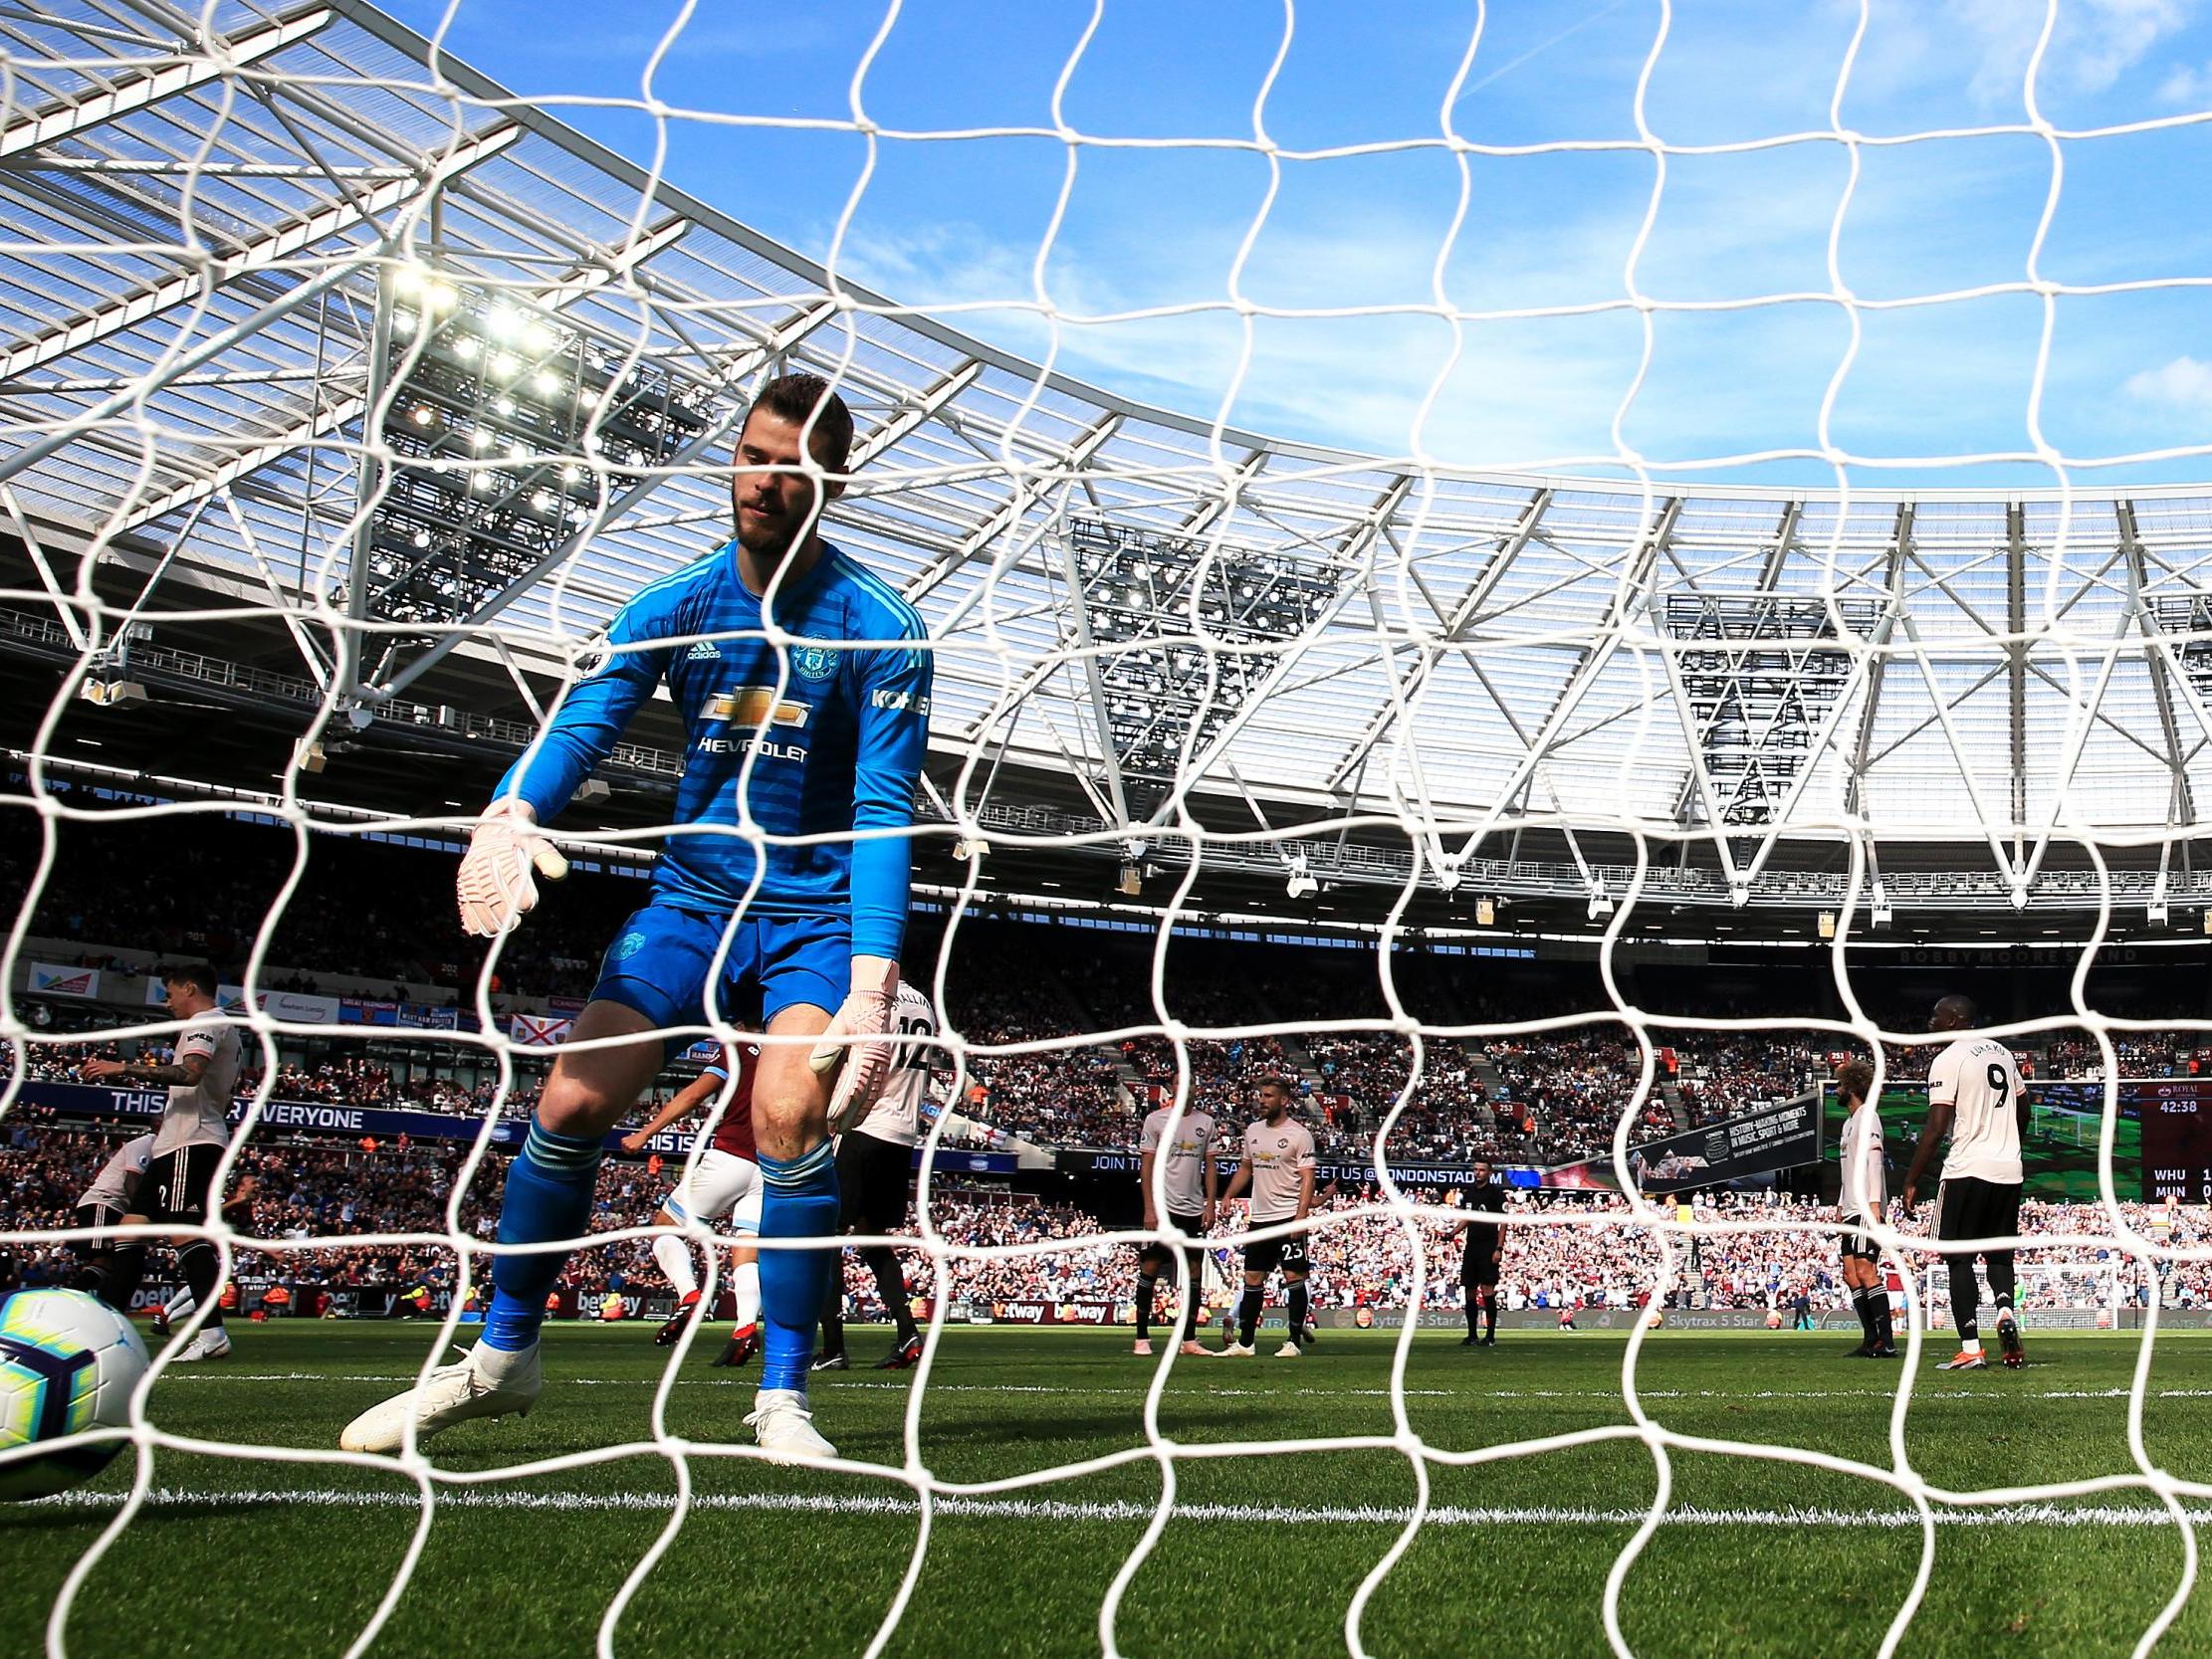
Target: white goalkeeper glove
(859, 1040)
(496, 884)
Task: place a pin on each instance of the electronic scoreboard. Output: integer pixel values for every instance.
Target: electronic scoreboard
(2176, 1116)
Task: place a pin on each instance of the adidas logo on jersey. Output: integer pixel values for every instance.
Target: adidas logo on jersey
(703, 650)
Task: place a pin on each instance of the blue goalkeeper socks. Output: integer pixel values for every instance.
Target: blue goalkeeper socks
(549, 1195)
(799, 1199)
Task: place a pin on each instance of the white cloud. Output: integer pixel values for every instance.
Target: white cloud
(2094, 44)
(2185, 383)
(2186, 86)
(1939, 64)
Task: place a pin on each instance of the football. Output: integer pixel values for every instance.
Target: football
(68, 1363)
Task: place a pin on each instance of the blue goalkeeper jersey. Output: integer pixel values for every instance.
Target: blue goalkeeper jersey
(834, 734)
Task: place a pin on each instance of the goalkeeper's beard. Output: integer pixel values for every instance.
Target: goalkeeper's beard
(771, 536)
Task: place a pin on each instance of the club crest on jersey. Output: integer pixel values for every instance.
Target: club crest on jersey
(755, 706)
(813, 661)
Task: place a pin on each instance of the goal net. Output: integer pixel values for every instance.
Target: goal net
(1535, 608)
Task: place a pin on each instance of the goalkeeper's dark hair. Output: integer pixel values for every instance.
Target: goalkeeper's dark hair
(198, 976)
(796, 397)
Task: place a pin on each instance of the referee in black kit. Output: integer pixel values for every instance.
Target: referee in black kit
(1485, 1249)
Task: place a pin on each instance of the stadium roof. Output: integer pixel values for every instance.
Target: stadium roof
(197, 229)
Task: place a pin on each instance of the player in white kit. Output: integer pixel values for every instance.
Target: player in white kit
(1859, 1205)
(1278, 1167)
(238, 1210)
(875, 1164)
(1974, 1093)
(1184, 1151)
(103, 1204)
(202, 1077)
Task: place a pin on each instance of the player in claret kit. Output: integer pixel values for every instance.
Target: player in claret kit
(724, 1184)
(813, 737)
(1974, 1093)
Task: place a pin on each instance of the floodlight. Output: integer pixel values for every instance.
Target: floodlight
(121, 694)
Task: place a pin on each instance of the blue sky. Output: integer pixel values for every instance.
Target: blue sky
(955, 225)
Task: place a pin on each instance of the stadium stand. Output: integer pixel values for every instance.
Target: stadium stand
(1359, 1256)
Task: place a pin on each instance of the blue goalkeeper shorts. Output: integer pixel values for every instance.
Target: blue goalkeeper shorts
(660, 963)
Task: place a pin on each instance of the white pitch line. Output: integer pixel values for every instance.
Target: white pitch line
(1924, 1390)
(1124, 1509)
(641, 1382)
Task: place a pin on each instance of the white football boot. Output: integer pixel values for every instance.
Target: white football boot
(213, 1343)
(450, 1394)
(784, 1428)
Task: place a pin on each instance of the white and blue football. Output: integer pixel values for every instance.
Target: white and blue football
(68, 1365)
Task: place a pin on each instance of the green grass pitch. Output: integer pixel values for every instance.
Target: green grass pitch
(253, 1556)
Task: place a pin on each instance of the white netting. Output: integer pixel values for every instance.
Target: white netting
(1397, 658)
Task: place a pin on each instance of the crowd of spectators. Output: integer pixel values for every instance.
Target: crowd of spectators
(1570, 1084)
(329, 1193)
(1720, 1074)
(1544, 1097)
(1562, 1250)
(1052, 1096)
(1572, 1251)
(2076, 1057)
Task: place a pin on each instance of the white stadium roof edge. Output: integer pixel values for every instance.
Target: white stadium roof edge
(2005, 672)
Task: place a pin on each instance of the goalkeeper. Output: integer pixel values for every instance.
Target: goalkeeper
(821, 737)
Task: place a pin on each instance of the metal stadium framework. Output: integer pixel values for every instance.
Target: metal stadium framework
(226, 257)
